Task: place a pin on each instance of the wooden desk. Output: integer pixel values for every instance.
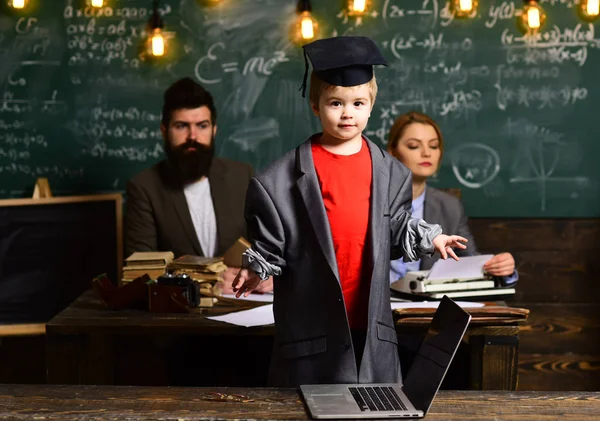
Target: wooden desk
(88, 344)
(51, 402)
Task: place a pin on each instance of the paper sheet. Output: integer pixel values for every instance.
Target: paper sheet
(432, 304)
(263, 315)
(468, 267)
(265, 298)
(259, 316)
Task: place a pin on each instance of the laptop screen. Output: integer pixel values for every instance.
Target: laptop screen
(435, 354)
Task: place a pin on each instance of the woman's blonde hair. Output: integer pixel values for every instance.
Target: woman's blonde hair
(405, 120)
(318, 86)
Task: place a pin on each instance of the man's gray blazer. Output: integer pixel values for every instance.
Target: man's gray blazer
(288, 226)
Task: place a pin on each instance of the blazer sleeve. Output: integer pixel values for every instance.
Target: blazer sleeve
(140, 226)
(400, 205)
(264, 225)
(250, 175)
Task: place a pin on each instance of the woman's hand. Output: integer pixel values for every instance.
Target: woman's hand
(502, 264)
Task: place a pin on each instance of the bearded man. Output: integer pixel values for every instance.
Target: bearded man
(192, 202)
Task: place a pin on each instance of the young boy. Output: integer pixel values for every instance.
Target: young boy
(324, 220)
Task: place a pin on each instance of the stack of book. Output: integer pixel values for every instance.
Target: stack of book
(464, 279)
(152, 263)
(205, 270)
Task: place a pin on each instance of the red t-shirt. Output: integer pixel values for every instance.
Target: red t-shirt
(345, 182)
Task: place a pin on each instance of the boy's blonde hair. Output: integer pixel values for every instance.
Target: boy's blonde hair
(318, 86)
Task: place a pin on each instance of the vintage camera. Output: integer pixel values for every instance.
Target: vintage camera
(189, 288)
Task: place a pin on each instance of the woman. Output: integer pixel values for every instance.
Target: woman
(416, 140)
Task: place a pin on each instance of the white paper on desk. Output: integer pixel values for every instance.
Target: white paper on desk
(432, 304)
(468, 267)
(265, 298)
(259, 316)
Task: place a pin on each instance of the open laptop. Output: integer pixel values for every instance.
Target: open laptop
(391, 400)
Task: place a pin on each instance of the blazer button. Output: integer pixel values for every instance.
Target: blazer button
(347, 346)
(339, 300)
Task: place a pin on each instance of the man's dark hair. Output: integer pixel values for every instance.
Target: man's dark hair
(186, 94)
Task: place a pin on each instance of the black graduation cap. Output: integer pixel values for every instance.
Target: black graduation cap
(342, 61)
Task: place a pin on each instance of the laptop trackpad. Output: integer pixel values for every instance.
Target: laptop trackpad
(329, 400)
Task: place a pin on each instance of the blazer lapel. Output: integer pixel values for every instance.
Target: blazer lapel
(432, 215)
(379, 193)
(308, 185)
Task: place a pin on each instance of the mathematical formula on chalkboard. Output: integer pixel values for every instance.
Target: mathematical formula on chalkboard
(80, 104)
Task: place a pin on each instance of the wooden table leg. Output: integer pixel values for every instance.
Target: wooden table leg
(80, 359)
(64, 359)
(494, 362)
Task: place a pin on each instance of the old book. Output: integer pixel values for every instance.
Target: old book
(150, 258)
(131, 274)
(233, 255)
(486, 314)
(198, 263)
(485, 311)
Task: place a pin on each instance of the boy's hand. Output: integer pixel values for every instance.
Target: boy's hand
(502, 264)
(265, 286)
(444, 243)
(247, 280)
(228, 278)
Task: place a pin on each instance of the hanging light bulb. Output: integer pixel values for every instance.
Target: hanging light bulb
(464, 8)
(533, 16)
(17, 4)
(358, 7)
(156, 39)
(97, 3)
(590, 9)
(157, 43)
(306, 24)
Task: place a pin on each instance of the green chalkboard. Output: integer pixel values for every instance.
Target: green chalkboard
(79, 105)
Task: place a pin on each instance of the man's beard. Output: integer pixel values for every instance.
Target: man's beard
(190, 164)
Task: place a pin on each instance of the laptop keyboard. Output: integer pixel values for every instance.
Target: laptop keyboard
(377, 398)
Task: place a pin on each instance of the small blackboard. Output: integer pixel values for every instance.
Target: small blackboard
(51, 249)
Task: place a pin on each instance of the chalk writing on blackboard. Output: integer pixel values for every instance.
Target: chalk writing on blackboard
(475, 164)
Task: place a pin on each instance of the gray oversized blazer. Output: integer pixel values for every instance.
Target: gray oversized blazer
(288, 226)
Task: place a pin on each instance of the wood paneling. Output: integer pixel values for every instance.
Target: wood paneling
(558, 262)
(561, 328)
(536, 234)
(567, 371)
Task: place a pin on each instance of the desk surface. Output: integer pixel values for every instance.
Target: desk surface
(27, 402)
(88, 315)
